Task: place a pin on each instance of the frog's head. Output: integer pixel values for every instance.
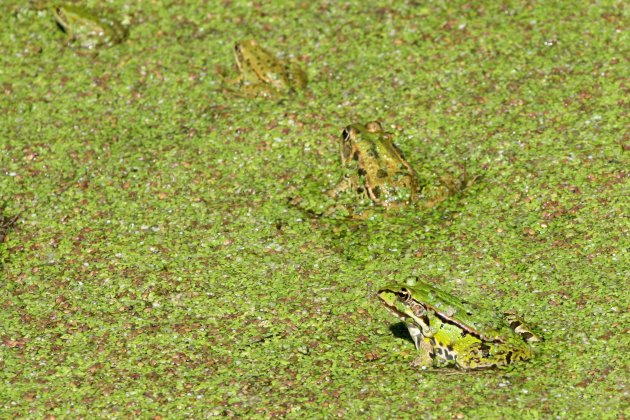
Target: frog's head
(358, 139)
(242, 50)
(397, 300)
(63, 16)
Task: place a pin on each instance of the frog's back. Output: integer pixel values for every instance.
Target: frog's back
(484, 321)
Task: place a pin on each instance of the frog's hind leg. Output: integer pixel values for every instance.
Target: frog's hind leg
(521, 328)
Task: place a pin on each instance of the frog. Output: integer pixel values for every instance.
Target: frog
(87, 27)
(262, 74)
(375, 172)
(450, 332)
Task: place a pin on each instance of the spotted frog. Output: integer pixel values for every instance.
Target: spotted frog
(88, 28)
(450, 332)
(374, 169)
(262, 74)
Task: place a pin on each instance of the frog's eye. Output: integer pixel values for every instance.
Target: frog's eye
(404, 294)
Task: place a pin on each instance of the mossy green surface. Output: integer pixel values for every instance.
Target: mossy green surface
(157, 267)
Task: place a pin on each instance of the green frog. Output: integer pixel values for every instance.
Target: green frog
(87, 28)
(450, 332)
(262, 74)
(374, 169)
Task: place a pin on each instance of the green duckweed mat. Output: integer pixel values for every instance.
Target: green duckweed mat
(158, 267)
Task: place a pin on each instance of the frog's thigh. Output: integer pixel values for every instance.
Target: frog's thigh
(479, 355)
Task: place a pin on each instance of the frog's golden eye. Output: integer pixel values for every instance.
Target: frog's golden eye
(404, 294)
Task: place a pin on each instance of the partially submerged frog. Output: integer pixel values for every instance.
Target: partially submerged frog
(261, 74)
(375, 170)
(450, 332)
(87, 28)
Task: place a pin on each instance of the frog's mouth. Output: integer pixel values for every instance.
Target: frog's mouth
(389, 299)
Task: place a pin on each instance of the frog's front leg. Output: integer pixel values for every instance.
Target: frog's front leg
(423, 345)
(70, 37)
(346, 184)
(415, 332)
(237, 81)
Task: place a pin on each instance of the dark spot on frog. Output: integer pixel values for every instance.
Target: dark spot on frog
(376, 191)
(356, 155)
(485, 349)
(438, 351)
(362, 172)
(381, 173)
(360, 190)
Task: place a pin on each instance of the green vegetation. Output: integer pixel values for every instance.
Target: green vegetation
(158, 268)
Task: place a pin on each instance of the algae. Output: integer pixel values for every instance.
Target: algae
(158, 269)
